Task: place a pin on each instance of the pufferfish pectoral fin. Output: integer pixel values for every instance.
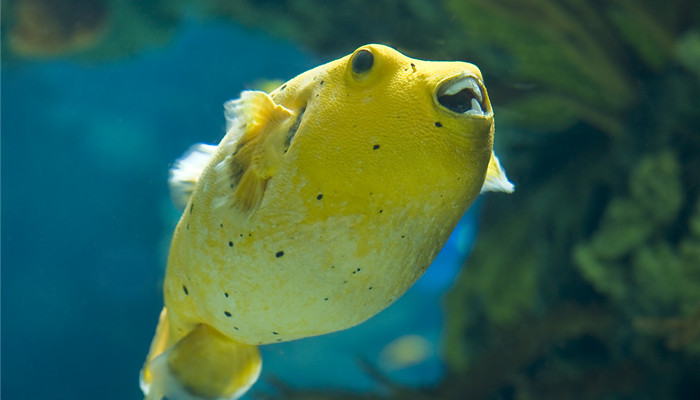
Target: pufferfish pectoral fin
(203, 365)
(496, 179)
(186, 170)
(260, 127)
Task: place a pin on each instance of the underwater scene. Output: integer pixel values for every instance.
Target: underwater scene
(336, 163)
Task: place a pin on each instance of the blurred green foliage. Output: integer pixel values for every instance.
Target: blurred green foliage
(630, 258)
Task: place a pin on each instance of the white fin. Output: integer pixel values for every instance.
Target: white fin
(496, 179)
(186, 171)
(234, 118)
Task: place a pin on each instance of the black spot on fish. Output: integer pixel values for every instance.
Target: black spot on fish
(278, 340)
(275, 333)
(226, 294)
(188, 226)
(240, 234)
(191, 208)
(279, 254)
(235, 327)
(438, 124)
(283, 87)
(228, 314)
(403, 236)
(375, 147)
(326, 299)
(230, 244)
(221, 225)
(381, 211)
(413, 67)
(321, 83)
(184, 289)
(369, 288)
(319, 197)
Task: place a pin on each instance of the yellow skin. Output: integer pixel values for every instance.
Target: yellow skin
(323, 204)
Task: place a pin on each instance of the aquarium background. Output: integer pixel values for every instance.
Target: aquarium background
(87, 218)
(583, 284)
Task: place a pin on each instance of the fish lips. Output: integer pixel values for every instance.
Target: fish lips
(463, 94)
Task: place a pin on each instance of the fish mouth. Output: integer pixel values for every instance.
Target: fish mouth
(463, 95)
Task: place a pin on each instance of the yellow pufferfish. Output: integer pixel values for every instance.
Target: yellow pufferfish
(323, 203)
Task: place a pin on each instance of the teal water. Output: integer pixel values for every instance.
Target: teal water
(86, 218)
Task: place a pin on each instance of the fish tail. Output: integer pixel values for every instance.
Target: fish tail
(202, 365)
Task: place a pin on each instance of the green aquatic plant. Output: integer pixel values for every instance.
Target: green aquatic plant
(688, 48)
(548, 46)
(631, 259)
(628, 279)
(646, 258)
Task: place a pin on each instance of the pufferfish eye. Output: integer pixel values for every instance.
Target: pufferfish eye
(362, 61)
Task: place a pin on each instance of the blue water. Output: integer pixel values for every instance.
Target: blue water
(86, 218)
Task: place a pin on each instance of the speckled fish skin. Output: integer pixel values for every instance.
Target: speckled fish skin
(360, 177)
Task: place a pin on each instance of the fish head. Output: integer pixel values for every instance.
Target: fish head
(450, 92)
(379, 121)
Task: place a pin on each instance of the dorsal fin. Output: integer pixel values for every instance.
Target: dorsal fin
(496, 179)
(251, 160)
(185, 172)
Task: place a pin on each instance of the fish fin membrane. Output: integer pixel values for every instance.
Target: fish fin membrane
(186, 170)
(203, 365)
(496, 179)
(158, 345)
(254, 120)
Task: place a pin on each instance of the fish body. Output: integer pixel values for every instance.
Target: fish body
(324, 202)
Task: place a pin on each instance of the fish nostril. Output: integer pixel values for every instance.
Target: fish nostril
(459, 102)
